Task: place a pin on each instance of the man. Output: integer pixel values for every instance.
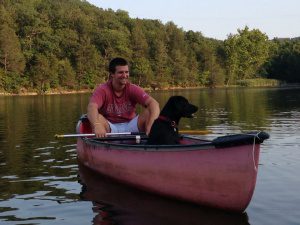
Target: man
(113, 104)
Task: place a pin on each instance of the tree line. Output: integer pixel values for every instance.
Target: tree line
(67, 44)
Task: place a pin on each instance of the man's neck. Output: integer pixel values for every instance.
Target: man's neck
(118, 89)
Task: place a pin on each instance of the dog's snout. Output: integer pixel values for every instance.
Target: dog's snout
(190, 110)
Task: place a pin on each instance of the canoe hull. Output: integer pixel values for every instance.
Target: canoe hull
(217, 177)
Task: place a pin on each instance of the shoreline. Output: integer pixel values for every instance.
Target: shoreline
(52, 92)
(69, 92)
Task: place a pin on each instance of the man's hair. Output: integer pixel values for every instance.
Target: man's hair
(116, 62)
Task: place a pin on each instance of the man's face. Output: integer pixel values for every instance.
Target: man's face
(121, 75)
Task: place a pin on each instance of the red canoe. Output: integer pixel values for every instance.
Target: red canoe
(220, 173)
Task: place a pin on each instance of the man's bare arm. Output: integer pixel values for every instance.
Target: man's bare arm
(98, 122)
(153, 107)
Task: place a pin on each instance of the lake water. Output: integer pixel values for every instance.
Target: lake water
(41, 182)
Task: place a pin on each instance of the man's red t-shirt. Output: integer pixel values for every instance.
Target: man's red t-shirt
(118, 109)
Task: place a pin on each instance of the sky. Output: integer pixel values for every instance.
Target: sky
(217, 18)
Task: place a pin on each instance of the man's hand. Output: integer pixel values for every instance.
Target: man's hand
(148, 128)
(98, 122)
(99, 130)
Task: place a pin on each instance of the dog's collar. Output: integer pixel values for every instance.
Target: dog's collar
(164, 118)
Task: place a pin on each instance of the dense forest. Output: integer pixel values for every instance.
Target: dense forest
(67, 44)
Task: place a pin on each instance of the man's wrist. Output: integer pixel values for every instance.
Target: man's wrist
(96, 124)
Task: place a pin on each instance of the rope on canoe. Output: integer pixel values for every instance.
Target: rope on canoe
(260, 139)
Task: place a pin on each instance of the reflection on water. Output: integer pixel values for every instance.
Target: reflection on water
(39, 174)
(41, 189)
(120, 204)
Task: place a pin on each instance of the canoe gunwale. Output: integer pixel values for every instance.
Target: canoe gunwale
(223, 142)
(145, 147)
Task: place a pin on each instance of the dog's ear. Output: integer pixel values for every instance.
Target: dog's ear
(172, 102)
(185, 108)
(177, 107)
(180, 102)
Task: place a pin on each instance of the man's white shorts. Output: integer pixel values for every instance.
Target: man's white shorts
(131, 126)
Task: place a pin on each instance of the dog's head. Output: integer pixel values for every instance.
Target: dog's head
(177, 107)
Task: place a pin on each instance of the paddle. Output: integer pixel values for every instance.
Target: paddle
(194, 132)
(137, 136)
(93, 135)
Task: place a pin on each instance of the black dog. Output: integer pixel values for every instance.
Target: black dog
(164, 130)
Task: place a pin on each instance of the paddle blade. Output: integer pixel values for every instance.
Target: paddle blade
(195, 132)
(73, 135)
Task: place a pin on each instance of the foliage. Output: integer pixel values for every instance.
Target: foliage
(11, 82)
(246, 53)
(47, 44)
(11, 57)
(285, 63)
(261, 82)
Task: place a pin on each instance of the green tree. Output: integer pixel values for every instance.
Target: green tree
(44, 72)
(11, 57)
(160, 62)
(215, 73)
(5, 16)
(177, 51)
(141, 71)
(66, 74)
(139, 42)
(12, 62)
(285, 62)
(247, 52)
(114, 42)
(232, 59)
(41, 72)
(89, 65)
(68, 43)
(209, 71)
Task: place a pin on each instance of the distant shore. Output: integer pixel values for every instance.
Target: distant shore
(50, 92)
(67, 92)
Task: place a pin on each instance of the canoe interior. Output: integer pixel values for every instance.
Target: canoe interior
(84, 127)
